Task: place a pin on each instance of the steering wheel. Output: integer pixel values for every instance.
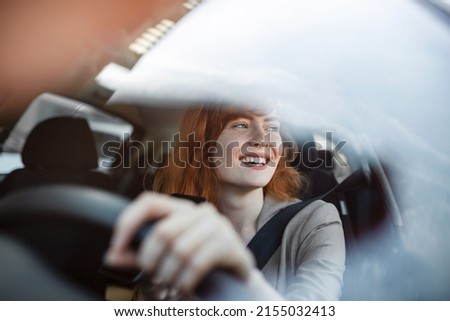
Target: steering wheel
(68, 229)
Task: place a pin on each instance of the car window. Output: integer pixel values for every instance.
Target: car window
(105, 127)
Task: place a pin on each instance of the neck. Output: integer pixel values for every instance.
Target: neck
(242, 208)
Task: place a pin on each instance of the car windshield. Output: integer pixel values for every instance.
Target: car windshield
(361, 86)
(351, 70)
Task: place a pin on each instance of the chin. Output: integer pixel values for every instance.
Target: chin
(259, 183)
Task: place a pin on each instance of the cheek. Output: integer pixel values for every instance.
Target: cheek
(227, 142)
(231, 146)
(277, 146)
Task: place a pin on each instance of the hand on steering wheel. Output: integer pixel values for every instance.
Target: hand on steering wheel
(187, 242)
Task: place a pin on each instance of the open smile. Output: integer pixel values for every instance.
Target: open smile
(255, 161)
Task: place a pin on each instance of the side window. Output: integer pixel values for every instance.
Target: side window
(105, 127)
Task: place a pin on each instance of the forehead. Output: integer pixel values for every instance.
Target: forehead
(259, 113)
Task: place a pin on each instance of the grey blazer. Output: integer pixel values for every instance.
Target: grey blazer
(310, 263)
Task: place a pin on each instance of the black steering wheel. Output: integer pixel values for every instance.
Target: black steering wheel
(66, 229)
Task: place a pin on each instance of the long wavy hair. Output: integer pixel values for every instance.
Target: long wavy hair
(189, 171)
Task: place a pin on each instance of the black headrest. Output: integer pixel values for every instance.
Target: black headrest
(60, 143)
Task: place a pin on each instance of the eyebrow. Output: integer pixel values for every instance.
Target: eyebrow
(266, 119)
(271, 118)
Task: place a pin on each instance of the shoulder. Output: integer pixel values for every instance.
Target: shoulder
(320, 209)
(315, 212)
(315, 233)
(319, 214)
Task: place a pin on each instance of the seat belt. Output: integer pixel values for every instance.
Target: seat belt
(268, 239)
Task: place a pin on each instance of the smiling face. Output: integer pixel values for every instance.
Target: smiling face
(223, 147)
(250, 150)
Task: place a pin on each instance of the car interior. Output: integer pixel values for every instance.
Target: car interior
(61, 167)
(71, 163)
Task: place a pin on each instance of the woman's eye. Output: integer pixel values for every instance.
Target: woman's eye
(240, 125)
(273, 128)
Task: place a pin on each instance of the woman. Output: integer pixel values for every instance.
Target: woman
(236, 160)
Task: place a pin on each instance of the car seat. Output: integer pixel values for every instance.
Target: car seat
(58, 150)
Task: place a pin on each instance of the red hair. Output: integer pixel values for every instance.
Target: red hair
(187, 172)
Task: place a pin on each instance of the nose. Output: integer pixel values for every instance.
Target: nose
(258, 137)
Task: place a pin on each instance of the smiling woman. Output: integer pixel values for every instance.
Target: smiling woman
(224, 137)
(244, 174)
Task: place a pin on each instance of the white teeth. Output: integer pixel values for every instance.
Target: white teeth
(254, 160)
